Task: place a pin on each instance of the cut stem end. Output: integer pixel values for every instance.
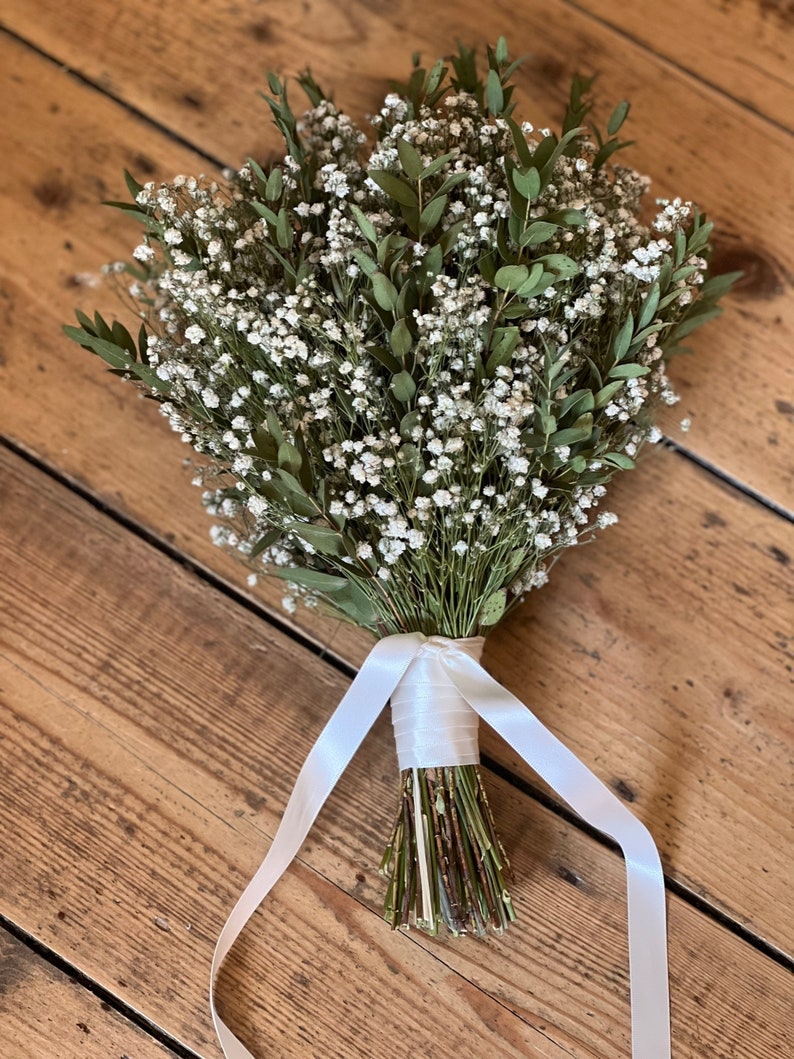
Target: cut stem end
(445, 863)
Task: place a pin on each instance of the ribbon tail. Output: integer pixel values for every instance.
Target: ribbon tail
(327, 760)
(595, 803)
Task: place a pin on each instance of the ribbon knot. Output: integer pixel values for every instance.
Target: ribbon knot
(454, 667)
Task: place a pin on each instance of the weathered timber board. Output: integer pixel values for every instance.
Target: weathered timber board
(44, 1014)
(151, 731)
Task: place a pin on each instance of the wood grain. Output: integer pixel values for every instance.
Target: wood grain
(151, 729)
(173, 64)
(618, 655)
(46, 1015)
(745, 49)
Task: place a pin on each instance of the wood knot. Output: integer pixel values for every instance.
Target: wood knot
(624, 791)
(763, 276)
(53, 193)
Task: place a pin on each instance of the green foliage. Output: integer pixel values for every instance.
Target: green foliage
(409, 248)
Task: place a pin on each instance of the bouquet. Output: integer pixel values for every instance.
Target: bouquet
(411, 360)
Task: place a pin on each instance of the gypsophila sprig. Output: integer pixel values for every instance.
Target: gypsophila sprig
(412, 359)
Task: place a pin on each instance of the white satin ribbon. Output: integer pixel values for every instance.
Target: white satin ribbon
(375, 683)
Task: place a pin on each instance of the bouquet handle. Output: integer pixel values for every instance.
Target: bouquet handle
(542, 751)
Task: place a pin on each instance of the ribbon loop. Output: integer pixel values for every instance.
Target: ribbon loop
(466, 689)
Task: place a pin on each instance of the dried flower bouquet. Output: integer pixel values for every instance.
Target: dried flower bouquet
(411, 364)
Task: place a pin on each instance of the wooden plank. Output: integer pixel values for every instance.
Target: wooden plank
(87, 424)
(173, 65)
(745, 50)
(46, 1015)
(163, 725)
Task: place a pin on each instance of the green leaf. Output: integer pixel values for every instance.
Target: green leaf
(365, 262)
(438, 163)
(561, 265)
(289, 458)
(428, 268)
(511, 277)
(629, 371)
(409, 422)
(571, 435)
(401, 339)
(622, 340)
(608, 149)
(394, 186)
(266, 212)
(403, 387)
(538, 232)
(693, 321)
(579, 400)
(284, 232)
(410, 159)
(274, 428)
(314, 580)
(527, 183)
(132, 184)
(716, 286)
(448, 239)
(534, 282)
(501, 51)
(649, 307)
(364, 223)
(323, 539)
(606, 393)
(384, 357)
(384, 290)
(618, 116)
(355, 603)
(493, 608)
(265, 541)
(494, 95)
(619, 459)
(432, 214)
(409, 457)
(568, 216)
(274, 186)
(117, 357)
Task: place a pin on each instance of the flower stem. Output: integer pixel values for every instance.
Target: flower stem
(445, 863)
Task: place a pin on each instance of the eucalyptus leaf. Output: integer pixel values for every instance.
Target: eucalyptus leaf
(314, 580)
(384, 290)
(403, 387)
(629, 371)
(324, 539)
(494, 93)
(410, 159)
(364, 223)
(394, 186)
(617, 117)
(401, 339)
(493, 608)
(537, 232)
(511, 277)
(527, 182)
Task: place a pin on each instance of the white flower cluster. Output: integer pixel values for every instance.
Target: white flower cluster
(319, 347)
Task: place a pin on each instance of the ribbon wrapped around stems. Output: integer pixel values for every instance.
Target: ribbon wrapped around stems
(376, 682)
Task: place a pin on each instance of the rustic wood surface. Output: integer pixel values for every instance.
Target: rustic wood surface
(173, 805)
(154, 718)
(44, 1012)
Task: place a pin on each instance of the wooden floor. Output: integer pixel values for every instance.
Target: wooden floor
(155, 711)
